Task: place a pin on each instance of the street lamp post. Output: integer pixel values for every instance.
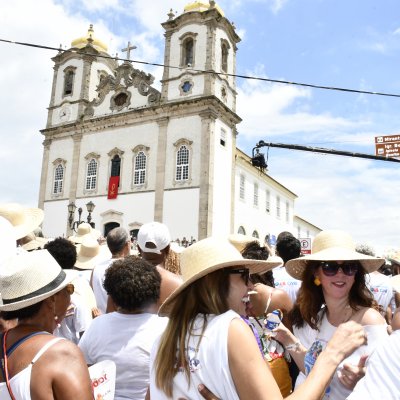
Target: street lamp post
(71, 214)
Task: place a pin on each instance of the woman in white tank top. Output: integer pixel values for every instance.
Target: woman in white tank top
(35, 364)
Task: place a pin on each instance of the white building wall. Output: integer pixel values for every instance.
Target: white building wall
(222, 185)
(181, 212)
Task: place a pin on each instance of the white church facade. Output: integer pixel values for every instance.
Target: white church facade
(140, 154)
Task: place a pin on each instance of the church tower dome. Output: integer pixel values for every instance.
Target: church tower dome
(81, 42)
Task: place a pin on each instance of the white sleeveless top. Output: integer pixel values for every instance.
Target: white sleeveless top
(208, 362)
(21, 382)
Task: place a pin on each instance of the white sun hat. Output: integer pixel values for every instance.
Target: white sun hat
(88, 254)
(23, 219)
(332, 245)
(28, 278)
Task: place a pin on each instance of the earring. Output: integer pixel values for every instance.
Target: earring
(317, 282)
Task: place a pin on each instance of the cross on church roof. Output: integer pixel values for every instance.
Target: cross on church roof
(128, 50)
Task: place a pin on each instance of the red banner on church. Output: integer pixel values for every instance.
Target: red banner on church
(113, 187)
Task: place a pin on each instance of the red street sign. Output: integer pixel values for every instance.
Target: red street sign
(387, 146)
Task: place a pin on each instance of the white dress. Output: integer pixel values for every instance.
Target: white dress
(208, 362)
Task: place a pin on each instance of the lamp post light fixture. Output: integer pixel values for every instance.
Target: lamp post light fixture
(71, 214)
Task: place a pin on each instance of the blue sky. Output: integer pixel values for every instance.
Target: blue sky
(352, 44)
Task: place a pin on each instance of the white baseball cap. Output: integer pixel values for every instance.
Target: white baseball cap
(153, 237)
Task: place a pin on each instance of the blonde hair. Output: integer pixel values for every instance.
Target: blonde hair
(207, 295)
(172, 262)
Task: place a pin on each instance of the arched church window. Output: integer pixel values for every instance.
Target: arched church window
(139, 175)
(224, 57)
(241, 230)
(69, 82)
(91, 175)
(182, 164)
(58, 183)
(188, 49)
(255, 234)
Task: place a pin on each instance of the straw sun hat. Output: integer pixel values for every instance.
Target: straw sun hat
(332, 245)
(28, 278)
(206, 256)
(83, 229)
(23, 219)
(88, 253)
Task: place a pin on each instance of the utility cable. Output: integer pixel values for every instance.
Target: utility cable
(280, 81)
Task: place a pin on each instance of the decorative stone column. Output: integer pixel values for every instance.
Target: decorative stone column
(206, 173)
(160, 169)
(45, 168)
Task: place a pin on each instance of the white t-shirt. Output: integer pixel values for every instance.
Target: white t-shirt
(285, 282)
(381, 380)
(77, 319)
(97, 284)
(381, 288)
(208, 365)
(315, 342)
(127, 340)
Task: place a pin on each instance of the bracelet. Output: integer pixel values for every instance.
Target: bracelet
(294, 346)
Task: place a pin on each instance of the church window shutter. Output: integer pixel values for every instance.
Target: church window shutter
(58, 179)
(116, 165)
(182, 164)
(91, 175)
(69, 76)
(242, 187)
(224, 57)
(188, 46)
(140, 168)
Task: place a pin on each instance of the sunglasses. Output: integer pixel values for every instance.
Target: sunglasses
(331, 268)
(70, 288)
(244, 274)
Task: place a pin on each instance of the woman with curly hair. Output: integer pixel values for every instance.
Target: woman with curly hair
(333, 291)
(126, 335)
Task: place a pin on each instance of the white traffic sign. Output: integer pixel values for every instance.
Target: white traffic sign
(305, 245)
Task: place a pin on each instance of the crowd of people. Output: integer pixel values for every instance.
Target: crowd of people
(194, 322)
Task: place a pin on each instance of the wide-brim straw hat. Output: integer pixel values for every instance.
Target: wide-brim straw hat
(33, 242)
(88, 254)
(8, 244)
(83, 229)
(206, 256)
(23, 219)
(28, 278)
(332, 245)
(395, 258)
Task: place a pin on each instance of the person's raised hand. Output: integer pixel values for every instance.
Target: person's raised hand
(350, 374)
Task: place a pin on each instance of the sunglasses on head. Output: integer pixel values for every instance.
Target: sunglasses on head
(331, 268)
(243, 272)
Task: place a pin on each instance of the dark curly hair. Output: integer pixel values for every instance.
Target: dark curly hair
(310, 297)
(63, 250)
(132, 283)
(253, 251)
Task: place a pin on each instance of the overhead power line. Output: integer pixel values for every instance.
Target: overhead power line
(280, 81)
